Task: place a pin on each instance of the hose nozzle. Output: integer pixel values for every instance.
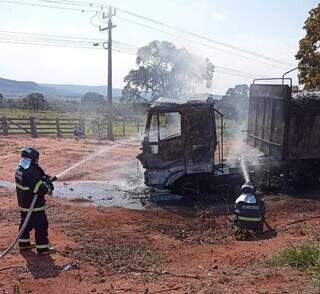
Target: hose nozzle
(54, 178)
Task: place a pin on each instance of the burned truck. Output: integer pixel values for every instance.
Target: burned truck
(183, 145)
(181, 149)
(285, 127)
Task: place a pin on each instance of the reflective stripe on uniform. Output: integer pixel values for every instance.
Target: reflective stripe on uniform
(33, 210)
(24, 240)
(37, 186)
(43, 246)
(250, 219)
(22, 187)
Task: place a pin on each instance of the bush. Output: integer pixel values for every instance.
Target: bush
(305, 256)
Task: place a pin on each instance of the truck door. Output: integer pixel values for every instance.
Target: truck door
(170, 140)
(164, 136)
(198, 140)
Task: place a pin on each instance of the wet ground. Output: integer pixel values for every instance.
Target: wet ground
(161, 250)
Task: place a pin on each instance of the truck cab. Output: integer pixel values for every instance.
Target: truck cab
(180, 141)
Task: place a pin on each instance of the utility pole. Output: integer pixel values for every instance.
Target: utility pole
(112, 12)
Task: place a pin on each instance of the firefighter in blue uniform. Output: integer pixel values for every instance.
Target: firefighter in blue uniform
(30, 180)
(249, 212)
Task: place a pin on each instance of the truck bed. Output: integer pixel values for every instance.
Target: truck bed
(282, 126)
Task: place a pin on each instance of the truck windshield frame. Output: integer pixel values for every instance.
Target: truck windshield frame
(164, 126)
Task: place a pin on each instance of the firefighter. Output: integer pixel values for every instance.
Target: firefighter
(249, 212)
(30, 180)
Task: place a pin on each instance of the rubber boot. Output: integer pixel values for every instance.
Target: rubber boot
(46, 251)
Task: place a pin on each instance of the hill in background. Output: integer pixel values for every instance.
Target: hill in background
(17, 89)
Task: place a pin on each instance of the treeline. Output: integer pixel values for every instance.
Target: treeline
(235, 103)
(90, 103)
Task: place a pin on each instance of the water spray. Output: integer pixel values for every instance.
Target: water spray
(244, 169)
(52, 179)
(92, 156)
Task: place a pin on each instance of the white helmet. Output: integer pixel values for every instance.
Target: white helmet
(248, 188)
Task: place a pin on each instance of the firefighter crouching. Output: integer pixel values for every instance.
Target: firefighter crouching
(249, 212)
(30, 180)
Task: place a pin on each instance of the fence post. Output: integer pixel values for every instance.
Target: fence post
(33, 127)
(99, 133)
(123, 127)
(58, 127)
(82, 126)
(138, 126)
(4, 126)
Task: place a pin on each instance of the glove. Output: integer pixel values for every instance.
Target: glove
(50, 186)
(48, 182)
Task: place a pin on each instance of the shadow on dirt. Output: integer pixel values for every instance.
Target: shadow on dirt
(266, 235)
(41, 267)
(188, 206)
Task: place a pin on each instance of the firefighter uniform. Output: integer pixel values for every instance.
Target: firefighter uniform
(30, 180)
(249, 210)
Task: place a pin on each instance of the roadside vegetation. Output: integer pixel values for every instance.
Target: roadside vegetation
(305, 256)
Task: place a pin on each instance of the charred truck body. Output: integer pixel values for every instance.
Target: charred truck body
(285, 127)
(181, 150)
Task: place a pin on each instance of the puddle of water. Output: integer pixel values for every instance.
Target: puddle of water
(121, 193)
(100, 192)
(8, 185)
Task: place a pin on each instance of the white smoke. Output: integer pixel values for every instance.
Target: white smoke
(239, 153)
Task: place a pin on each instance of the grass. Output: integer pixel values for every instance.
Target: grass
(305, 256)
(123, 257)
(26, 113)
(130, 126)
(197, 232)
(231, 127)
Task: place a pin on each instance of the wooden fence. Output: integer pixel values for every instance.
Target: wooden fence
(60, 127)
(37, 127)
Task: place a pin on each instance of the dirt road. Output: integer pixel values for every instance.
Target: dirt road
(158, 250)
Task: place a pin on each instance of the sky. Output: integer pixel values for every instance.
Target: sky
(272, 28)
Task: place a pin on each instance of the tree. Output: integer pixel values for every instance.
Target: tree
(309, 52)
(93, 102)
(234, 105)
(1, 101)
(166, 71)
(93, 98)
(35, 101)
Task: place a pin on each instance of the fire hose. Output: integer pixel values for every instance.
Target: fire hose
(26, 220)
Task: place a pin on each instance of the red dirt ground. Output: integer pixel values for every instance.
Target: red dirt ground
(149, 251)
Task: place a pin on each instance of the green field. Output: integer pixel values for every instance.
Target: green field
(231, 128)
(91, 121)
(26, 113)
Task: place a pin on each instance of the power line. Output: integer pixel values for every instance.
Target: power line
(48, 6)
(195, 35)
(58, 44)
(39, 43)
(75, 3)
(200, 43)
(218, 67)
(202, 37)
(64, 39)
(87, 43)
